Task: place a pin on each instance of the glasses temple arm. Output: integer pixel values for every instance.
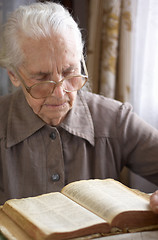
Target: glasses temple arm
(20, 77)
(84, 65)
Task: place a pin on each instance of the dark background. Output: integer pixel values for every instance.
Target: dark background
(79, 9)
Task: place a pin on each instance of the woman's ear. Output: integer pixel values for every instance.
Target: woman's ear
(15, 81)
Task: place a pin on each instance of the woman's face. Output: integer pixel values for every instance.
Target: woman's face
(52, 58)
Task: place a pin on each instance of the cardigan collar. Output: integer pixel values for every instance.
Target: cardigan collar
(23, 122)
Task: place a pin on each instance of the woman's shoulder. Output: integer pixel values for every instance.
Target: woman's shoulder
(5, 102)
(106, 113)
(101, 104)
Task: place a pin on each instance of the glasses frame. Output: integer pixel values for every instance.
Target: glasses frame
(28, 89)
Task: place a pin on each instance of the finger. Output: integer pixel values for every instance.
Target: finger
(154, 201)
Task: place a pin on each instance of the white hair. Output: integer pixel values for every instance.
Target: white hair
(36, 20)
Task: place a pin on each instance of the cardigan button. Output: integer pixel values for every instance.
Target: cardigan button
(52, 135)
(55, 177)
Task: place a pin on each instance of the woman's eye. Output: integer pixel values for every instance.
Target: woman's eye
(69, 73)
(43, 78)
(40, 79)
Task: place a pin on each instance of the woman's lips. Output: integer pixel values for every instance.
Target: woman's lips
(55, 105)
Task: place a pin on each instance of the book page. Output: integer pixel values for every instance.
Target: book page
(11, 230)
(106, 198)
(50, 213)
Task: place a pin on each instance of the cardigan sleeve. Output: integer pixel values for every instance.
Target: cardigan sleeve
(139, 144)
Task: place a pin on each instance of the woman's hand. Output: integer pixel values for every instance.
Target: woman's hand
(154, 201)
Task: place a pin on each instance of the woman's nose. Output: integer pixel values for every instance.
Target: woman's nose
(58, 91)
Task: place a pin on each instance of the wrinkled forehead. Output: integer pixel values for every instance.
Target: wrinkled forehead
(56, 50)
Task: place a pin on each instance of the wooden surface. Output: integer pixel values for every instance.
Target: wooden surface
(149, 235)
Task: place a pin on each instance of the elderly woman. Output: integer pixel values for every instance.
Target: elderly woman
(53, 132)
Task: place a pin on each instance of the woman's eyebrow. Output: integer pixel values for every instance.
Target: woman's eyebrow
(70, 68)
(39, 74)
(43, 73)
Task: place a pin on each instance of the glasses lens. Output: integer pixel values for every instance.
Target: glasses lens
(74, 83)
(42, 90)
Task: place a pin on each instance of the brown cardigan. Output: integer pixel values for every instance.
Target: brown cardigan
(97, 138)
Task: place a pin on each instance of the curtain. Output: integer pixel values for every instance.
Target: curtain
(145, 71)
(123, 60)
(110, 50)
(5, 8)
(144, 96)
(109, 47)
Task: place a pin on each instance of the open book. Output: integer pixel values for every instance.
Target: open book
(86, 207)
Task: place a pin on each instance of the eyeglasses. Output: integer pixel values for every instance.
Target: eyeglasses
(46, 88)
